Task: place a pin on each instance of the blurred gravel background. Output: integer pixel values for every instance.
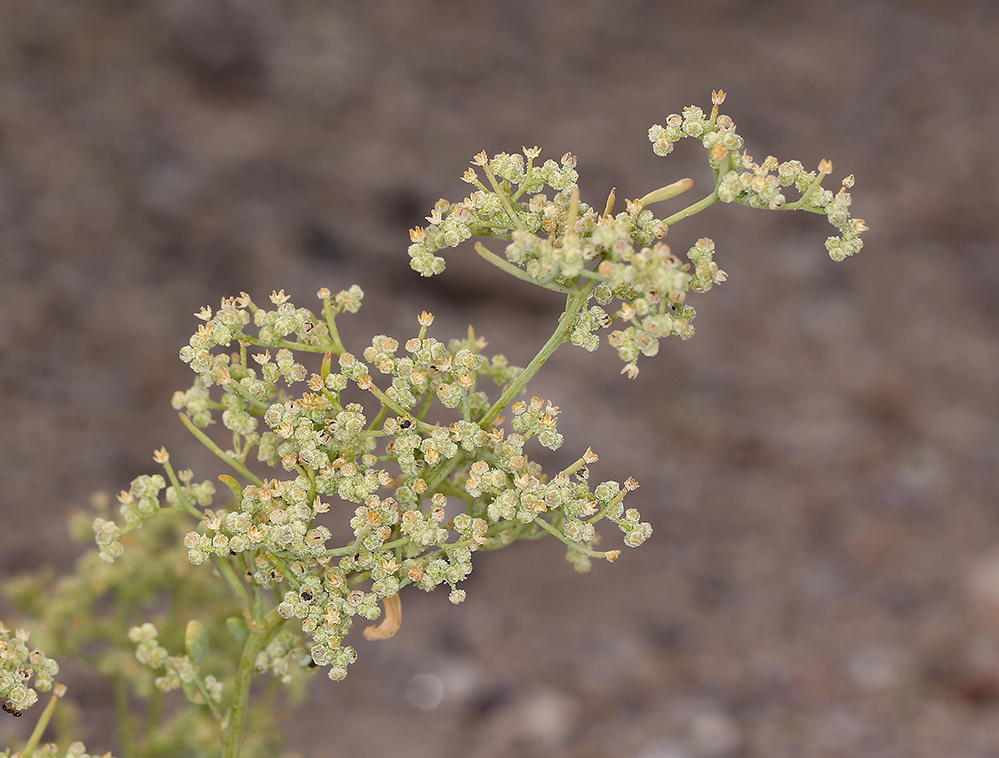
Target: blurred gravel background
(820, 462)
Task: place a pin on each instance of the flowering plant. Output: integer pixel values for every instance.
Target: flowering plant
(429, 443)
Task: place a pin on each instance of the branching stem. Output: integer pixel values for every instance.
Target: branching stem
(567, 320)
(205, 440)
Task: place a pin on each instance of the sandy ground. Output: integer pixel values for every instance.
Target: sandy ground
(819, 462)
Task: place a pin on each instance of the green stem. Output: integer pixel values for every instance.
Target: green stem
(572, 215)
(240, 390)
(376, 423)
(205, 440)
(690, 210)
(350, 549)
(796, 206)
(185, 503)
(330, 315)
(393, 544)
(504, 198)
(485, 231)
(235, 586)
(283, 568)
(206, 695)
(613, 502)
(264, 704)
(386, 401)
(807, 194)
(566, 321)
(258, 601)
(574, 467)
(574, 545)
(328, 347)
(434, 481)
(513, 270)
(43, 721)
(587, 274)
(259, 634)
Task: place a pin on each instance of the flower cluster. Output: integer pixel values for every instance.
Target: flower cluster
(565, 245)
(403, 439)
(553, 240)
(154, 565)
(403, 435)
(23, 672)
(618, 257)
(500, 208)
(426, 496)
(179, 670)
(740, 179)
(141, 501)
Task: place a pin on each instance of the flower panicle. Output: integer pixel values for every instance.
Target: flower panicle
(401, 437)
(395, 469)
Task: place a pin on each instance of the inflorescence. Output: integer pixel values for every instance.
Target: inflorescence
(565, 245)
(357, 429)
(24, 672)
(428, 495)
